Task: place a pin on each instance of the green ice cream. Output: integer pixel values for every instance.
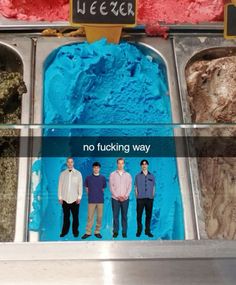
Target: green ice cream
(12, 87)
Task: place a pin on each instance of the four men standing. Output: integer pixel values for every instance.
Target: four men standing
(120, 183)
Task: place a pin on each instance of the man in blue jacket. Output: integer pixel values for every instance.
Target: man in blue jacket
(144, 190)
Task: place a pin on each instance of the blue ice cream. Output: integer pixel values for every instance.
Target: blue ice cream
(103, 83)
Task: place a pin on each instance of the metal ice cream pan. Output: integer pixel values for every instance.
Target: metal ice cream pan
(188, 50)
(160, 50)
(15, 56)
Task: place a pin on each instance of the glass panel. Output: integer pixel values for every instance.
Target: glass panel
(167, 222)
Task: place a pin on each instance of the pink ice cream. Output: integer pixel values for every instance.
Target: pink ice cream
(35, 10)
(150, 12)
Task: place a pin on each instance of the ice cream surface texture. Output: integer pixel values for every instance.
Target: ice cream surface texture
(82, 80)
(12, 87)
(212, 97)
(103, 84)
(48, 10)
(212, 90)
(218, 184)
(152, 13)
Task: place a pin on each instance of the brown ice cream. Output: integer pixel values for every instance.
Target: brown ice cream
(212, 98)
(212, 90)
(218, 185)
(12, 88)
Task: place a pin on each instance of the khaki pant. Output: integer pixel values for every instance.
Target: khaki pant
(91, 211)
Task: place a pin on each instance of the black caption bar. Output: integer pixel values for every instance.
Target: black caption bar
(118, 146)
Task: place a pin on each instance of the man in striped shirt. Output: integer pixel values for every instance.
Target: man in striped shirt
(120, 186)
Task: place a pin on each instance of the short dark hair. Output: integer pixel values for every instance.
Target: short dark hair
(96, 163)
(144, 160)
(70, 157)
(120, 158)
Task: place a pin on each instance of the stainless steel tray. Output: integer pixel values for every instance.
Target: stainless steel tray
(192, 48)
(169, 262)
(17, 57)
(157, 48)
(187, 50)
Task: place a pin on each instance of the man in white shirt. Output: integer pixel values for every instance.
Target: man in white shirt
(70, 189)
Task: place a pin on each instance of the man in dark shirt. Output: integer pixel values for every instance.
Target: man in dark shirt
(145, 190)
(95, 185)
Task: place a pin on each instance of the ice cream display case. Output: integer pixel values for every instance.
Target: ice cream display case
(178, 82)
(43, 49)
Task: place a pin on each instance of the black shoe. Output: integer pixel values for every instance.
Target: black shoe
(124, 235)
(115, 235)
(63, 234)
(138, 234)
(149, 234)
(86, 236)
(76, 234)
(98, 235)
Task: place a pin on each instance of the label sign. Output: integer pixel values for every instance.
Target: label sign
(117, 12)
(230, 21)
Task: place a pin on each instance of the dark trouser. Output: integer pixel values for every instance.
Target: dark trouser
(116, 207)
(148, 205)
(74, 209)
